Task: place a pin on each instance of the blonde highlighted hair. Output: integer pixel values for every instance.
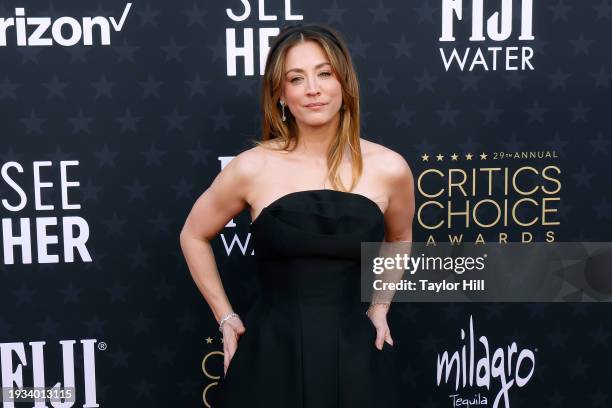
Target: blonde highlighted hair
(348, 134)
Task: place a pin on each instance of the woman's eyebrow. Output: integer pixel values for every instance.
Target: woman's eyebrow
(301, 70)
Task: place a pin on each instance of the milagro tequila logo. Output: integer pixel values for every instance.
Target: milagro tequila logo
(14, 359)
(505, 366)
(499, 29)
(65, 31)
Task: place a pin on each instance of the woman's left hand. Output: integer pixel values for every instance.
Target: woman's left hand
(378, 316)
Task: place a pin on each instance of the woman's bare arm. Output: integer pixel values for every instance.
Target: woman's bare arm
(224, 199)
(399, 215)
(400, 212)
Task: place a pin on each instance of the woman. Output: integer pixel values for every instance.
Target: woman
(307, 341)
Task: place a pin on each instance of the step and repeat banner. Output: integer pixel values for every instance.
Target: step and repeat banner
(117, 115)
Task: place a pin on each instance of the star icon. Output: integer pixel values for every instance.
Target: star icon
(221, 119)
(425, 12)
(33, 123)
(536, 113)
(425, 157)
(447, 115)
(491, 113)
(197, 86)
(103, 87)
(583, 177)
(198, 155)
(153, 155)
(581, 45)
(128, 121)
(600, 145)
(439, 157)
(558, 79)
(380, 13)
(403, 48)
(603, 10)
(80, 123)
(175, 120)
(55, 88)
(150, 87)
(173, 51)
(7, 89)
(579, 112)
(560, 10)
(195, 15)
(483, 156)
(468, 156)
(148, 16)
(358, 48)
(603, 209)
(125, 52)
(454, 157)
(334, 13)
(403, 116)
(218, 49)
(425, 81)
(380, 82)
(602, 78)
(114, 225)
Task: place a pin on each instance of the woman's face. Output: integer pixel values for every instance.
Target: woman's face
(311, 90)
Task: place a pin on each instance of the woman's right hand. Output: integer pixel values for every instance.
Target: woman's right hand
(232, 330)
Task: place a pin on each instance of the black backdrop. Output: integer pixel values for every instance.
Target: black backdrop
(145, 122)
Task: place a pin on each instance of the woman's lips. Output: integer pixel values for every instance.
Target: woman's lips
(315, 106)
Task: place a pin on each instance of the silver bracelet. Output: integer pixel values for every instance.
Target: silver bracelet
(225, 319)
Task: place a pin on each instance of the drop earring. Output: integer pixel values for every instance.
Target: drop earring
(283, 110)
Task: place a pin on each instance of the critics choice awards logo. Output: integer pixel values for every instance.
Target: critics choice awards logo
(493, 44)
(499, 197)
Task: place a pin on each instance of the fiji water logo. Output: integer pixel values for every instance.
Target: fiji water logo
(65, 31)
(19, 362)
(500, 50)
(507, 366)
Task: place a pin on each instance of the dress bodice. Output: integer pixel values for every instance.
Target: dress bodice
(311, 223)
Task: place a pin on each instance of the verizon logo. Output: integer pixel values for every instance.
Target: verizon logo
(64, 31)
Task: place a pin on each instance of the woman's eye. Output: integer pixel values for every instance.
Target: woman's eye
(325, 74)
(292, 80)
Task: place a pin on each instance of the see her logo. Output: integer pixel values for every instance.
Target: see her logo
(241, 43)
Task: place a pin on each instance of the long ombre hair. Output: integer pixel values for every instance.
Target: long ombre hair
(348, 134)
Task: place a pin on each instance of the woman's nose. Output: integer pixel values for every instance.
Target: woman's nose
(312, 86)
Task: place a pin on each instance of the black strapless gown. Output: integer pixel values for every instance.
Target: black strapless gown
(308, 342)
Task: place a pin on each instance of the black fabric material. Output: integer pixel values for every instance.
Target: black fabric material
(308, 342)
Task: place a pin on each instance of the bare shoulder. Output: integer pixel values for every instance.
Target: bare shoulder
(247, 163)
(250, 163)
(387, 163)
(252, 167)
